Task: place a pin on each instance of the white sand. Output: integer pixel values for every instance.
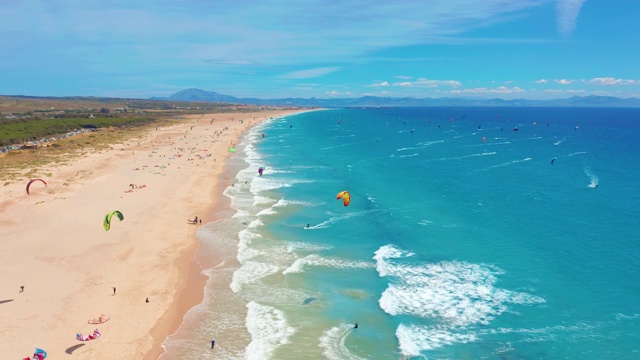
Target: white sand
(53, 243)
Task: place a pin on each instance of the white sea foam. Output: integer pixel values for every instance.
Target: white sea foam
(388, 252)
(408, 148)
(284, 203)
(250, 272)
(457, 295)
(428, 143)
(468, 156)
(261, 200)
(343, 145)
(332, 343)
(506, 164)
(577, 153)
(255, 223)
(421, 145)
(371, 198)
(305, 246)
(241, 214)
(309, 167)
(592, 177)
(559, 142)
(425, 222)
(269, 183)
(317, 260)
(413, 339)
(267, 211)
(335, 219)
(269, 170)
(268, 328)
(410, 155)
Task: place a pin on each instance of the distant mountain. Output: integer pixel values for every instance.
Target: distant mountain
(197, 95)
(200, 96)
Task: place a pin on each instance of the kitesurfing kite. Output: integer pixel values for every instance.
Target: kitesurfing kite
(39, 354)
(260, 170)
(96, 334)
(107, 219)
(31, 182)
(346, 197)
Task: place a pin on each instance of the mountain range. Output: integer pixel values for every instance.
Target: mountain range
(199, 95)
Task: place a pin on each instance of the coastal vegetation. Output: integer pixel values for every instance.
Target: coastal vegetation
(40, 131)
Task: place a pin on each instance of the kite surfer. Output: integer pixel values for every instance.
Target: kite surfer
(552, 160)
(355, 326)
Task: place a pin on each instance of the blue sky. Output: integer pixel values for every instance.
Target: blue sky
(534, 49)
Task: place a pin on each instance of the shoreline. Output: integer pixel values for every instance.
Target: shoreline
(69, 264)
(193, 282)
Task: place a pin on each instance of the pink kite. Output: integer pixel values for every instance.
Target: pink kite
(95, 335)
(31, 182)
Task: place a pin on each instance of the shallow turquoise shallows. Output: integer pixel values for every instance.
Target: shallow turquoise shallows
(472, 233)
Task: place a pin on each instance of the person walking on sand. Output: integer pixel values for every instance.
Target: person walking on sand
(213, 343)
(22, 288)
(114, 290)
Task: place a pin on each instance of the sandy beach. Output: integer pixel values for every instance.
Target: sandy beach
(52, 242)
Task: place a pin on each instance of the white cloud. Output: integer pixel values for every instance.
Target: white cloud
(567, 13)
(553, 91)
(423, 82)
(267, 32)
(482, 90)
(612, 81)
(384, 83)
(542, 81)
(310, 73)
(563, 81)
(403, 77)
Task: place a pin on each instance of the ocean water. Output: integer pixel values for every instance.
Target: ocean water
(464, 238)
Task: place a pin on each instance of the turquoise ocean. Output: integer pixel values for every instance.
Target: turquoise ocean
(464, 239)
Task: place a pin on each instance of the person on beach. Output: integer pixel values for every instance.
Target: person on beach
(114, 290)
(213, 343)
(22, 288)
(147, 300)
